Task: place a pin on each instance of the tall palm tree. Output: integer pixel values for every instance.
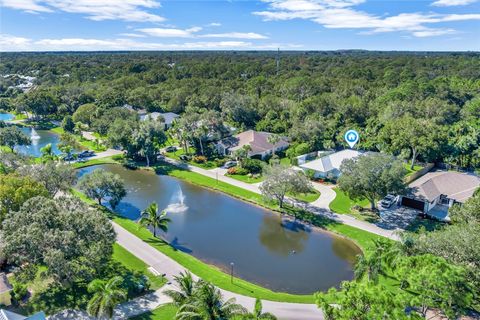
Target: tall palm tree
(47, 152)
(369, 266)
(208, 304)
(106, 296)
(186, 289)
(257, 313)
(273, 139)
(151, 218)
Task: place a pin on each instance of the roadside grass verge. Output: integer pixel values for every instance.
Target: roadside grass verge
(165, 312)
(245, 178)
(343, 204)
(131, 262)
(209, 164)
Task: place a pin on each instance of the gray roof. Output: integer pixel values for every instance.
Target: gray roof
(8, 315)
(331, 161)
(257, 140)
(168, 117)
(455, 185)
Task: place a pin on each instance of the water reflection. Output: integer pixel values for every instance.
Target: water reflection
(282, 238)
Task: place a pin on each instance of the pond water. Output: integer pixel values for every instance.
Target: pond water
(219, 229)
(40, 138)
(6, 116)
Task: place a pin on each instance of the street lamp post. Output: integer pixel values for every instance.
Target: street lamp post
(231, 271)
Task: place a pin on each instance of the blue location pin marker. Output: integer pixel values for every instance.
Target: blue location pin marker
(351, 136)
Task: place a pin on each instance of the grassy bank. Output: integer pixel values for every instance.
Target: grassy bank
(165, 312)
(131, 262)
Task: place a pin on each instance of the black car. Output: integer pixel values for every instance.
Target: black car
(86, 154)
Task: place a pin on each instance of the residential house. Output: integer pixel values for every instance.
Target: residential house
(328, 165)
(437, 191)
(167, 118)
(141, 112)
(9, 315)
(258, 142)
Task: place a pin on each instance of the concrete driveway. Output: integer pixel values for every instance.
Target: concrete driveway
(396, 217)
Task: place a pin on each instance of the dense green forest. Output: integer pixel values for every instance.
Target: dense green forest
(424, 106)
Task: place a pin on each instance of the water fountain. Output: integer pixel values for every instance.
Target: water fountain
(34, 135)
(178, 202)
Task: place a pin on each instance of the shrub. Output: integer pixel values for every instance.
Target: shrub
(242, 171)
(19, 291)
(199, 159)
(220, 162)
(253, 165)
(232, 170)
(310, 174)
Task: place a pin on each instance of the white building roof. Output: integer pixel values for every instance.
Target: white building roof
(331, 161)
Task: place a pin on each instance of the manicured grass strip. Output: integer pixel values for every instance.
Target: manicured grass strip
(245, 178)
(94, 162)
(176, 155)
(165, 312)
(343, 204)
(208, 272)
(306, 197)
(131, 262)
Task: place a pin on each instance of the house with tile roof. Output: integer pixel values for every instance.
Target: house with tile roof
(257, 140)
(437, 191)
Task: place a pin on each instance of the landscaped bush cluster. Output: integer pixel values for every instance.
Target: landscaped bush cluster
(220, 162)
(238, 171)
(253, 165)
(199, 159)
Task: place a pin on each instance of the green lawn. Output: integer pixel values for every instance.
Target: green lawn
(93, 162)
(131, 262)
(307, 197)
(409, 170)
(343, 204)
(165, 312)
(245, 178)
(91, 145)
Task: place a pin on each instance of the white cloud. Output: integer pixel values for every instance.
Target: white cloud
(235, 35)
(449, 3)
(340, 14)
(170, 32)
(132, 35)
(25, 5)
(214, 24)
(128, 10)
(13, 43)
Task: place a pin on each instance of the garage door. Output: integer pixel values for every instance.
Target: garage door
(412, 203)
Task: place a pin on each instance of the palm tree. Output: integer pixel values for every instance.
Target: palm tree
(47, 152)
(257, 313)
(151, 218)
(273, 139)
(208, 304)
(106, 296)
(186, 289)
(369, 266)
(242, 153)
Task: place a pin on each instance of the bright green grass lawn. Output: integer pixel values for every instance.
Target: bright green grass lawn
(245, 178)
(306, 197)
(93, 162)
(343, 204)
(409, 170)
(131, 262)
(91, 145)
(165, 312)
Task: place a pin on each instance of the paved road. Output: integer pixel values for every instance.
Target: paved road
(164, 264)
(319, 207)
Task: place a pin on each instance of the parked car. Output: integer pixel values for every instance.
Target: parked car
(230, 164)
(171, 149)
(68, 158)
(86, 154)
(388, 201)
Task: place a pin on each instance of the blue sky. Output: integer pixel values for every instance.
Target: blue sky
(47, 25)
